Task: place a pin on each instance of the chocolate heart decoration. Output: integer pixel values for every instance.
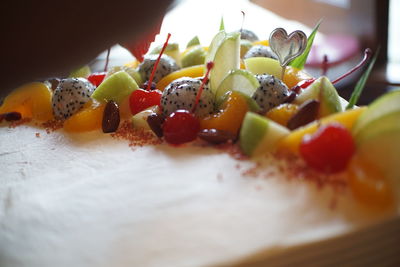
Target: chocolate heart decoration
(287, 47)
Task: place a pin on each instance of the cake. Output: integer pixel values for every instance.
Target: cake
(130, 199)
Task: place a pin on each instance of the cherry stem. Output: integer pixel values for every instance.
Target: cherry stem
(367, 55)
(243, 15)
(107, 59)
(210, 65)
(156, 64)
(325, 65)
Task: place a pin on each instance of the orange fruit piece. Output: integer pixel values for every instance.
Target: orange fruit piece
(89, 118)
(347, 118)
(32, 100)
(368, 185)
(282, 113)
(230, 117)
(262, 42)
(192, 71)
(293, 76)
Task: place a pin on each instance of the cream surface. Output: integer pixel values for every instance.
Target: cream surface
(90, 200)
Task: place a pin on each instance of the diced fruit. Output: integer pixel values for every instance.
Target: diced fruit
(282, 113)
(225, 54)
(139, 120)
(346, 118)
(181, 127)
(194, 56)
(116, 87)
(293, 76)
(382, 149)
(82, 72)
(141, 99)
(263, 65)
(260, 135)
(237, 80)
(32, 100)
(194, 41)
(382, 107)
(262, 42)
(245, 45)
(89, 118)
(329, 149)
(230, 117)
(368, 184)
(171, 50)
(97, 78)
(323, 91)
(133, 64)
(130, 70)
(193, 72)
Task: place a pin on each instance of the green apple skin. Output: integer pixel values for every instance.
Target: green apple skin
(261, 65)
(383, 106)
(260, 135)
(139, 120)
(237, 80)
(116, 87)
(383, 150)
(225, 54)
(195, 56)
(194, 41)
(82, 72)
(131, 71)
(323, 91)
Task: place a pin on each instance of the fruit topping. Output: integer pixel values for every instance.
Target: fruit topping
(195, 55)
(328, 150)
(193, 72)
(282, 113)
(165, 67)
(155, 122)
(130, 70)
(271, 93)
(368, 183)
(141, 99)
(307, 112)
(248, 35)
(89, 118)
(182, 94)
(180, 127)
(230, 117)
(111, 117)
(215, 136)
(97, 78)
(10, 116)
(139, 120)
(260, 51)
(70, 96)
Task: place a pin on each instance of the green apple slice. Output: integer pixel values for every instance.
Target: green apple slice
(139, 120)
(323, 91)
(82, 72)
(263, 65)
(260, 135)
(171, 50)
(225, 54)
(381, 107)
(237, 80)
(194, 41)
(194, 56)
(382, 149)
(116, 87)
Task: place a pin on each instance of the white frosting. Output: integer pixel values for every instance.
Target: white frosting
(90, 200)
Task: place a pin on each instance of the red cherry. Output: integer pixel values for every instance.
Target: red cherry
(181, 127)
(97, 78)
(329, 149)
(141, 99)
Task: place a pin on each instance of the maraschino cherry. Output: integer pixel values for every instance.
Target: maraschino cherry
(141, 99)
(97, 78)
(182, 126)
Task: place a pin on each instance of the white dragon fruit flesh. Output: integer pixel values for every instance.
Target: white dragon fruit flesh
(181, 94)
(271, 93)
(260, 51)
(166, 65)
(70, 95)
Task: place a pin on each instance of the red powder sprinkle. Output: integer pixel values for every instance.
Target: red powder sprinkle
(52, 125)
(135, 137)
(14, 124)
(37, 135)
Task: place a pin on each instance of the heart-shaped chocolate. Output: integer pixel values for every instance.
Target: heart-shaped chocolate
(287, 47)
